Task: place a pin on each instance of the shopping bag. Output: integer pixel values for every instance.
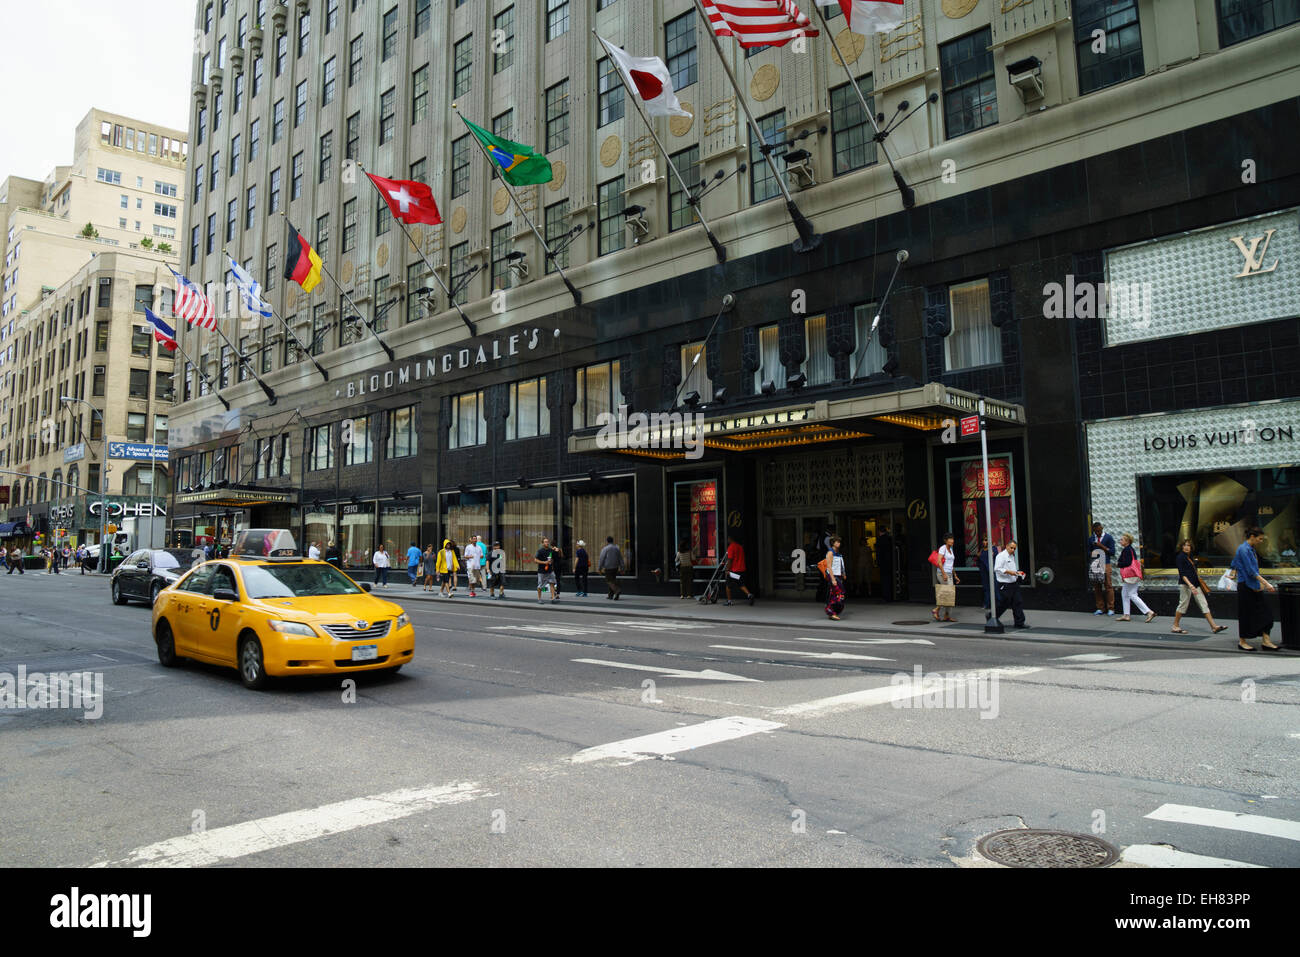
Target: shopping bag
(945, 596)
(1227, 583)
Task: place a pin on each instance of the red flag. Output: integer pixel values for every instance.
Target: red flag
(411, 202)
(756, 23)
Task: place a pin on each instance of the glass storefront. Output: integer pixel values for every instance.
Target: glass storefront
(524, 517)
(696, 519)
(966, 513)
(596, 510)
(318, 530)
(466, 514)
(1215, 510)
(399, 526)
(357, 535)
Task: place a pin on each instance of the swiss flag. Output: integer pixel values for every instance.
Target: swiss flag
(650, 78)
(411, 202)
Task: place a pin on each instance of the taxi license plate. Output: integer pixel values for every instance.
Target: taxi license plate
(365, 652)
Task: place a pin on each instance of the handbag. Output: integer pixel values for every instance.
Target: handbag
(1131, 573)
(935, 558)
(945, 596)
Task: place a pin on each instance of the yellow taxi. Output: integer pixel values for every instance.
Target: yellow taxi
(269, 612)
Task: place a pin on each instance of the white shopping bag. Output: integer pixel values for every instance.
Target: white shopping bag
(1227, 583)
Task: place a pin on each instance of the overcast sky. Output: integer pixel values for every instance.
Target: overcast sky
(63, 57)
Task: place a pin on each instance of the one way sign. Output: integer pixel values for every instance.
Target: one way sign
(970, 425)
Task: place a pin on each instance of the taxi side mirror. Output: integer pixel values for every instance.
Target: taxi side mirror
(365, 586)
(225, 594)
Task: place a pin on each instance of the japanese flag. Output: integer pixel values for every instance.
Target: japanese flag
(648, 76)
(869, 16)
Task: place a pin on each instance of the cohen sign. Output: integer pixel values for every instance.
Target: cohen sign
(141, 510)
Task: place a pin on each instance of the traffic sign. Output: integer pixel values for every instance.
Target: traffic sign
(110, 529)
(970, 425)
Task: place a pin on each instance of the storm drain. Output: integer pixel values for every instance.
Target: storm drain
(1029, 847)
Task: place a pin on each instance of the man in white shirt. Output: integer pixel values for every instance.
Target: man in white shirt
(474, 556)
(1008, 574)
(382, 563)
(313, 552)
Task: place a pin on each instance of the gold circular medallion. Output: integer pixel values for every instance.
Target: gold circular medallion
(610, 150)
(417, 236)
(458, 218)
(558, 172)
(766, 79)
(345, 271)
(381, 255)
(290, 298)
(851, 45)
(956, 9)
(681, 125)
(500, 201)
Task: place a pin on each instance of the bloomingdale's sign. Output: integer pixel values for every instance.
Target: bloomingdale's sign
(443, 364)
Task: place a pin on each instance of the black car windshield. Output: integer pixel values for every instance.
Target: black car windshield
(172, 558)
(296, 581)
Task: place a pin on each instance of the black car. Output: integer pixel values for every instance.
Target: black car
(144, 573)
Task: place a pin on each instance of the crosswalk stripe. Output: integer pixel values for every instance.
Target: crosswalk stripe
(1228, 820)
(1162, 855)
(677, 739)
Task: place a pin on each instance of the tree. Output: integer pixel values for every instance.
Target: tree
(146, 242)
(89, 231)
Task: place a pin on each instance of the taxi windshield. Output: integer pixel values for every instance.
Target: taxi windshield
(172, 558)
(296, 581)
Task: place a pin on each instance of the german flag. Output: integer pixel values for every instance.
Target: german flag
(302, 264)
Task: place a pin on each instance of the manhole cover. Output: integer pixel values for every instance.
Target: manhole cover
(1035, 848)
(915, 621)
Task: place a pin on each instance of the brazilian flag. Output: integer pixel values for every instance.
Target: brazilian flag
(518, 165)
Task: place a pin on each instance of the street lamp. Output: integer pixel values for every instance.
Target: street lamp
(103, 477)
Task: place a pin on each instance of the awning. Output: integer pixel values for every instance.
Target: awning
(237, 497)
(14, 530)
(672, 435)
(7, 529)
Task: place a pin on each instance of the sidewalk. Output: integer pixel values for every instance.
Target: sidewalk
(905, 619)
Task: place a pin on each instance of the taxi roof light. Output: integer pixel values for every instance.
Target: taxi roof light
(265, 543)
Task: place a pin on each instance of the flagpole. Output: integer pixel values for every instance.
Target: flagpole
(473, 330)
(691, 198)
(288, 328)
(203, 375)
(270, 393)
(550, 257)
(908, 194)
(808, 240)
(392, 357)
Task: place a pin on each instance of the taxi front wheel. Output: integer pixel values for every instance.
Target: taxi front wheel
(167, 656)
(252, 671)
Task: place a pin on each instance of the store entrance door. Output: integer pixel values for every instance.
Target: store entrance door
(872, 555)
(783, 535)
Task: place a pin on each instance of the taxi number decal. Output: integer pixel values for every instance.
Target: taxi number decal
(214, 619)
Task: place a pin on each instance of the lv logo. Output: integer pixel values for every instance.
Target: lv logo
(1254, 255)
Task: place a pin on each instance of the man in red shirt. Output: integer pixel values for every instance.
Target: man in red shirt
(736, 568)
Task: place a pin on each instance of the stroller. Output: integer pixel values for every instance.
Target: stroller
(716, 581)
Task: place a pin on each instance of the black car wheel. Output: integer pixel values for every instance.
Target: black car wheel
(166, 646)
(118, 597)
(153, 593)
(252, 671)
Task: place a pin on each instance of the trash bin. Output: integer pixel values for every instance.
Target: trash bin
(1288, 594)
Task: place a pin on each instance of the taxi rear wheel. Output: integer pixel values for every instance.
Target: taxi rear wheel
(166, 642)
(252, 670)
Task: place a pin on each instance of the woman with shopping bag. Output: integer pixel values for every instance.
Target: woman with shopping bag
(1254, 618)
(945, 588)
(1130, 575)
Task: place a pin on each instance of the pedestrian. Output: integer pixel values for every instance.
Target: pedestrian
(381, 562)
(16, 560)
(496, 569)
(472, 559)
(581, 570)
(545, 559)
(982, 560)
(413, 563)
(428, 567)
(836, 579)
(67, 555)
(1254, 619)
(686, 568)
(736, 568)
(945, 575)
(448, 566)
(1191, 585)
(483, 557)
(313, 551)
(332, 554)
(1101, 555)
(610, 564)
(1130, 576)
(885, 559)
(1008, 574)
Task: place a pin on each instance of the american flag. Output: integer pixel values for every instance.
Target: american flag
(191, 304)
(756, 23)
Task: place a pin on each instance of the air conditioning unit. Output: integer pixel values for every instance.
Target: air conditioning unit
(100, 370)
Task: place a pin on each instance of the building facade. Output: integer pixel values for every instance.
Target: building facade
(86, 251)
(1042, 156)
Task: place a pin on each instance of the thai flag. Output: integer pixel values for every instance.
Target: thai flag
(191, 304)
(161, 331)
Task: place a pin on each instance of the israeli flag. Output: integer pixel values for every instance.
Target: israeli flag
(250, 290)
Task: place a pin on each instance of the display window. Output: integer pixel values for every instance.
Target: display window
(696, 505)
(966, 513)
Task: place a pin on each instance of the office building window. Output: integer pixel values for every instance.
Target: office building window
(328, 82)
(557, 18)
(462, 65)
(868, 359)
(212, 233)
(272, 267)
(277, 121)
(295, 180)
(402, 439)
(326, 156)
(254, 138)
(320, 329)
(762, 184)
(323, 235)
(557, 229)
(680, 212)
(503, 124)
(851, 136)
(136, 423)
(419, 94)
(695, 371)
(501, 247)
(281, 54)
(232, 219)
(198, 183)
(105, 292)
(600, 391)
(299, 104)
(143, 301)
(236, 155)
(1242, 19)
(389, 47)
(459, 271)
(250, 209)
(361, 449)
(381, 303)
(304, 32)
(817, 365)
(970, 93)
(421, 17)
(609, 225)
(557, 116)
(353, 136)
(387, 115)
(331, 15)
(275, 191)
(140, 341)
(460, 166)
(683, 65)
(528, 416)
(138, 384)
(609, 92)
(415, 280)
(503, 39)
(468, 427)
(259, 72)
(349, 225)
(1120, 55)
(769, 368)
(354, 60)
(320, 450)
(974, 340)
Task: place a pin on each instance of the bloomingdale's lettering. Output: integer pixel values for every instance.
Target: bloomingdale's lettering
(1191, 440)
(442, 364)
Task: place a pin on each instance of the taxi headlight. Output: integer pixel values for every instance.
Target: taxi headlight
(292, 628)
(403, 620)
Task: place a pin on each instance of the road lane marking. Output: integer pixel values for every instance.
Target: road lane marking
(677, 740)
(829, 655)
(294, 827)
(660, 624)
(1097, 656)
(707, 674)
(890, 693)
(862, 641)
(571, 631)
(1162, 855)
(1228, 820)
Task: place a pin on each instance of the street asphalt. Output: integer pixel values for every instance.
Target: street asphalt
(649, 732)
